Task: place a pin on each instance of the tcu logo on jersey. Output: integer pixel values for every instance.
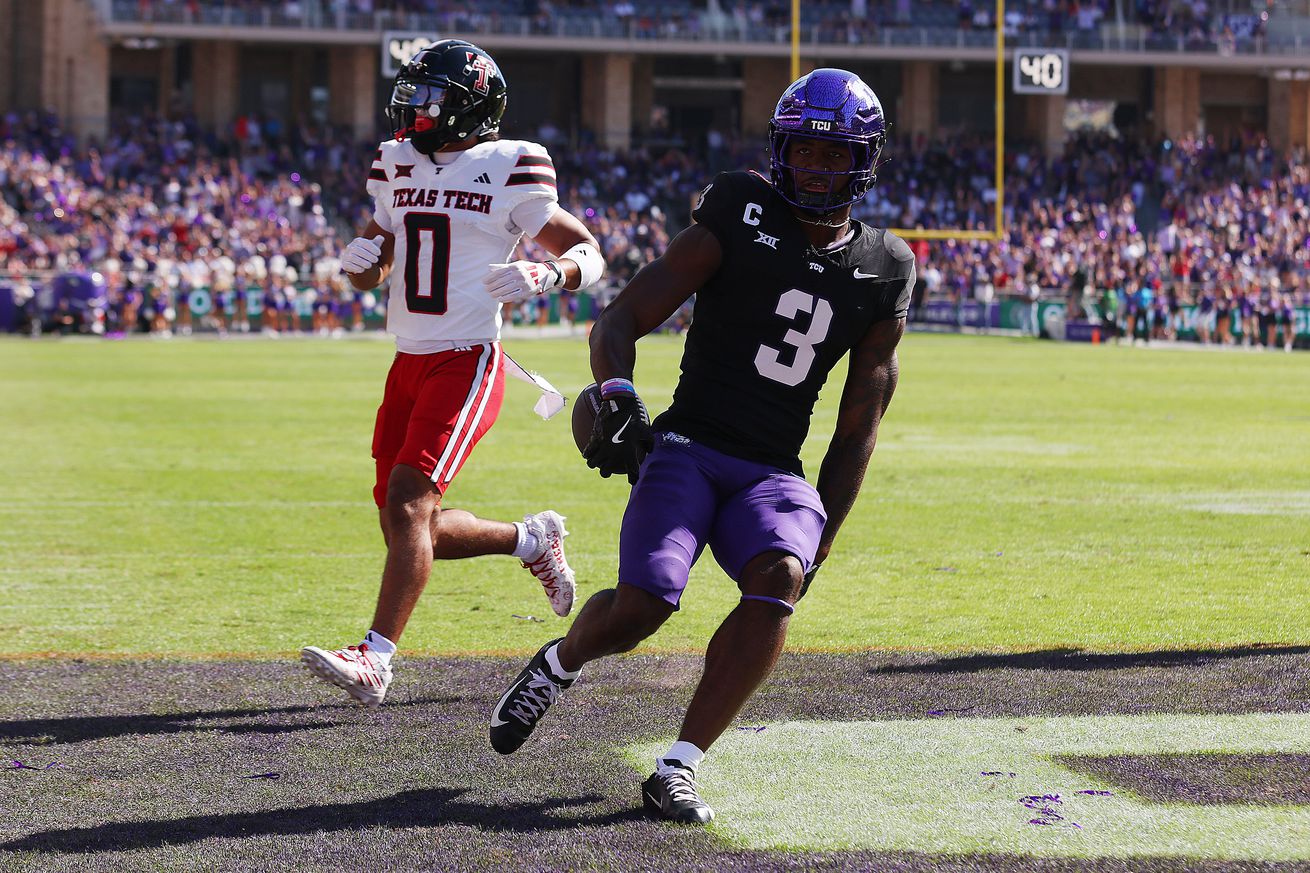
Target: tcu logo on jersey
(480, 65)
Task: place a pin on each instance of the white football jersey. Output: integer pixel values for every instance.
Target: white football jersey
(451, 222)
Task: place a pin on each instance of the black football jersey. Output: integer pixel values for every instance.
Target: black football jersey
(775, 319)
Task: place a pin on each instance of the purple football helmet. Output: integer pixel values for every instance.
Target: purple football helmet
(831, 105)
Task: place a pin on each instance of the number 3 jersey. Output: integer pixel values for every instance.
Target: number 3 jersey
(775, 319)
(452, 220)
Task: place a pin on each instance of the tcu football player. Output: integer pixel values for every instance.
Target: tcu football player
(787, 285)
(451, 201)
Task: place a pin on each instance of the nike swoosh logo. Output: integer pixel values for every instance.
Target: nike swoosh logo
(615, 439)
(860, 275)
(496, 722)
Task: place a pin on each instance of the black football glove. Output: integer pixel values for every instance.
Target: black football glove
(620, 437)
(809, 577)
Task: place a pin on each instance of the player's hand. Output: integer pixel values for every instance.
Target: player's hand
(809, 577)
(620, 437)
(512, 283)
(362, 254)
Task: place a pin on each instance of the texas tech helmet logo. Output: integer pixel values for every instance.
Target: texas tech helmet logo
(483, 67)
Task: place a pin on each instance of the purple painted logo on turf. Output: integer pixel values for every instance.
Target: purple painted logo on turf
(19, 765)
(1047, 814)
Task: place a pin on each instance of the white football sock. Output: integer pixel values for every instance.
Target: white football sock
(380, 646)
(685, 753)
(552, 661)
(528, 546)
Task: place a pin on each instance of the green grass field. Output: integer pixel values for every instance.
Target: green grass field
(212, 498)
(1065, 629)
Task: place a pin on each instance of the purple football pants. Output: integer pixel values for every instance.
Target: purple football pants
(689, 495)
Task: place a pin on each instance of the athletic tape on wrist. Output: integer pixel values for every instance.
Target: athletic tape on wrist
(776, 600)
(611, 387)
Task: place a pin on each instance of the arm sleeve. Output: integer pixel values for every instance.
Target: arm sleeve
(377, 187)
(530, 216)
(903, 258)
(713, 209)
(532, 188)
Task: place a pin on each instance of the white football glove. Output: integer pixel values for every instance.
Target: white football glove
(511, 283)
(362, 254)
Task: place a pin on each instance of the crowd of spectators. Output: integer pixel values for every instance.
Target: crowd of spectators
(253, 217)
(161, 208)
(1193, 24)
(1130, 232)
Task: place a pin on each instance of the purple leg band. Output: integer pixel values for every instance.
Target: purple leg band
(784, 604)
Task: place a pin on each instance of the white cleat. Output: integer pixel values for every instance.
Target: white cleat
(356, 670)
(550, 567)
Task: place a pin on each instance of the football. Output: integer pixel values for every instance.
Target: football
(585, 409)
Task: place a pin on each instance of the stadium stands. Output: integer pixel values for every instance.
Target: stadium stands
(164, 208)
(1148, 24)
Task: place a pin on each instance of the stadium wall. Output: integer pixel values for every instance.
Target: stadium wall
(90, 59)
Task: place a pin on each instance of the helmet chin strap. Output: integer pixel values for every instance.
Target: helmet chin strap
(818, 223)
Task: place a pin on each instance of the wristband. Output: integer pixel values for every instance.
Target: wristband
(611, 387)
(591, 266)
(559, 274)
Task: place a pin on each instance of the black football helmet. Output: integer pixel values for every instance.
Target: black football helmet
(459, 84)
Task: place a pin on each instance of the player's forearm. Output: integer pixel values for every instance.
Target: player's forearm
(840, 477)
(864, 402)
(369, 279)
(572, 274)
(614, 345)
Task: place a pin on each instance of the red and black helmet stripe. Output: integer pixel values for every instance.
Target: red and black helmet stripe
(531, 179)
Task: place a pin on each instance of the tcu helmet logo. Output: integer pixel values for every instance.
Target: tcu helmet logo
(480, 65)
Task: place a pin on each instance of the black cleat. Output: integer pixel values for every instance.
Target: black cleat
(525, 702)
(670, 794)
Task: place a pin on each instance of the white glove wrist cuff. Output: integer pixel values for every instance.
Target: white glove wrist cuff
(591, 265)
(558, 272)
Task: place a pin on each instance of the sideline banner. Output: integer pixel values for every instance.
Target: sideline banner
(8, 310)
(969, 313)
(1051, 316)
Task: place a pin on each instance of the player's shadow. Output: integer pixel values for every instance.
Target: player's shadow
(1079, 659)
(408, 809)
(79, 729)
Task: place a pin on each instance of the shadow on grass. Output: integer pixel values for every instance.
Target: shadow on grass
(1204, 778)
(79, 729)
(1079, 659)
(409, 809)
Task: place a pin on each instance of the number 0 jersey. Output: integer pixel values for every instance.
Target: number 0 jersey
(451, 221)
(775, 319)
